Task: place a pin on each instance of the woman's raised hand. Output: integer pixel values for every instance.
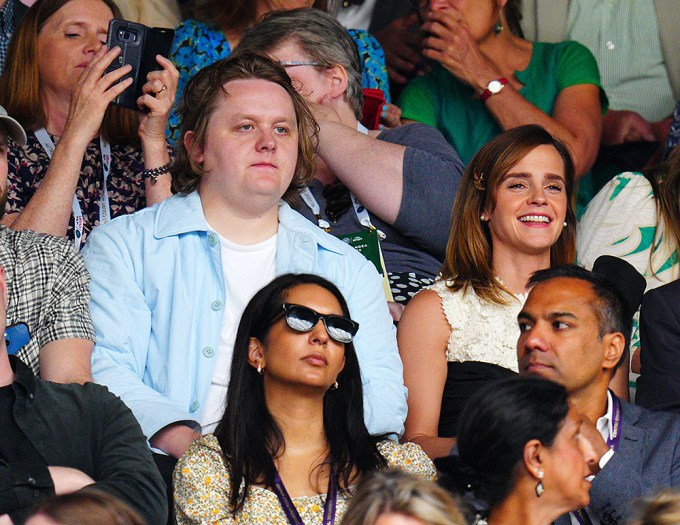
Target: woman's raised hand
(450, 43)
(93, 93)
(157, 101)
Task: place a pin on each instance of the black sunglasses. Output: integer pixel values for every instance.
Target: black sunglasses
(303, 319)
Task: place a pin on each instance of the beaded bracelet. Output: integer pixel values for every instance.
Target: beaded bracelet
(155, 172)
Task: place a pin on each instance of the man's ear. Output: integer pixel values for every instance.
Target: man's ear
(614, 345)
(337, 77)
(255, 353)
(194, 149)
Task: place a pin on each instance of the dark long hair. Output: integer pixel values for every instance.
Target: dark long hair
(249, 436)
(496, 424)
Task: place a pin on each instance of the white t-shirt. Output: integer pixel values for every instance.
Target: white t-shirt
(246, 270)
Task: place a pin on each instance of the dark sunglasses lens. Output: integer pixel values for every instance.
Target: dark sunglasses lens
(303, 319)
(300, 318)
(341, 329)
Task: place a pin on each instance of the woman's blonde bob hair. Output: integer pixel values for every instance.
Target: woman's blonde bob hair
(468, 252)
(201, 97)
(393, 491)
(20, 81)
(660, 509)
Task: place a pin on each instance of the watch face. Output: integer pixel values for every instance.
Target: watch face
(494, 86)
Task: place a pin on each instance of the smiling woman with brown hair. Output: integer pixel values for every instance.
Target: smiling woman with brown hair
(512, 216)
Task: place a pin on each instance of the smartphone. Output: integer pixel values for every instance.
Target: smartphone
(16, 336)
(139, 46)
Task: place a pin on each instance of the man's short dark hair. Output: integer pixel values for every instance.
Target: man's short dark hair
(611, 309)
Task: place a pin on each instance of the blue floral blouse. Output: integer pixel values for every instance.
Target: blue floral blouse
(198, 45)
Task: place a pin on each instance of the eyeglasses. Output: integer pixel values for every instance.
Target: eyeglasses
(295, 63)
(303, 319)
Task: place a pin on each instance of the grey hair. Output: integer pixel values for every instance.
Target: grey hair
(319, 35)
(394, 491)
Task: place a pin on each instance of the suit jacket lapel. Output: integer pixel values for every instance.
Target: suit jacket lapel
(632, 437)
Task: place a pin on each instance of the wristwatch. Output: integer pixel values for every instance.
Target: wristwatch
(493, 87)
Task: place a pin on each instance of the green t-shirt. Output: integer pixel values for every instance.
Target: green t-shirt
(442, 101)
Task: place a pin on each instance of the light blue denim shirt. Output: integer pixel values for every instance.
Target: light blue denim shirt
(157, 304)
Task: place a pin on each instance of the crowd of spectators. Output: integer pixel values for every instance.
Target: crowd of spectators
(363, 262)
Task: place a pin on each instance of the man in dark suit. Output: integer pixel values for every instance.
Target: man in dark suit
(572, 331)
(659, 382)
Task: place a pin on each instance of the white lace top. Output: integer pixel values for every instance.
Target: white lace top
(480, 330)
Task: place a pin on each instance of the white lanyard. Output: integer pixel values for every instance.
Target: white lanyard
(360, 211)
(104, 209)
(313, 205)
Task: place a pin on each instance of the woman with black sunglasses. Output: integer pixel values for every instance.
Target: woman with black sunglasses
(292, 441)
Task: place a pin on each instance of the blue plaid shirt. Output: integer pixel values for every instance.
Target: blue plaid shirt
(6, 30)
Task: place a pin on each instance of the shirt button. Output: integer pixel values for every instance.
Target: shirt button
(194, 406)
(610, 45)
(31, 481)
(208, 352)
(36, 493)
(217, 305)
(212, 239)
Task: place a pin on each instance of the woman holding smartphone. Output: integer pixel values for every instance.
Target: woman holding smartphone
(85, 161)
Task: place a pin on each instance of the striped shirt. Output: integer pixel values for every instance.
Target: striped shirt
(624, 37)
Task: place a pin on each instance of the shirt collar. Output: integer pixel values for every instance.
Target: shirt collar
(184, 213)
(180, 214)
(604, 424)
(22, 375)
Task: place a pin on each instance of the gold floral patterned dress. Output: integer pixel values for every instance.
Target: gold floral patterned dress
(202, 487)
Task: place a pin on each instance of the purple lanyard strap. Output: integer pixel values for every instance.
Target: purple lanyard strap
(291, 512)
(612, 443)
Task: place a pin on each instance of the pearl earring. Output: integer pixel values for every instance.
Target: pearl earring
(539, 486)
